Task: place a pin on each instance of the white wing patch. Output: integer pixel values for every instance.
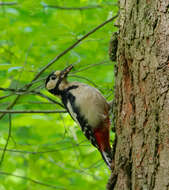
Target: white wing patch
(72, 113)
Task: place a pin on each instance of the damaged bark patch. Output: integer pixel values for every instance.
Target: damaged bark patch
(127, 109)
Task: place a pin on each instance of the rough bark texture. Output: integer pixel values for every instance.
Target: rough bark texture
(141, 159)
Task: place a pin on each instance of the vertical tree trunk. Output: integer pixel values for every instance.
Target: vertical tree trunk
(141, 160)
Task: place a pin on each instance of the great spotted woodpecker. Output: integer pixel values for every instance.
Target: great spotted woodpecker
(87, 107)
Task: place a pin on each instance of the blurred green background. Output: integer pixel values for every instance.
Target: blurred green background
(50, 148)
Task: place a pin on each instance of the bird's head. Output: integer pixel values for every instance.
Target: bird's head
(56, 79)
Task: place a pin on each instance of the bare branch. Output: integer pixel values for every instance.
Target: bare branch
(84, 79)
(73, 8)
(29, 102)
(11, 89)
(21, 91)
(33, 82)
(10, 105)
(107, 62)
(42, 152)
(8, 3)
(7, 141)
(6, 96)
(32, 180)
(33, 111)
(50, 99)
(17, 91)
(75, 169)
(25, 63)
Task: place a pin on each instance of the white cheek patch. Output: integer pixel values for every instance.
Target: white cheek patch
(51, 84)
(57, 73)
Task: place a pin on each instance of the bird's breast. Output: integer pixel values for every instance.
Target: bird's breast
(85, 103)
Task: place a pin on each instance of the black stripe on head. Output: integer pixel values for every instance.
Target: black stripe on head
(48, 78)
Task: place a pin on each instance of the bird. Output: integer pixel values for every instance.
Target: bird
(87, 107)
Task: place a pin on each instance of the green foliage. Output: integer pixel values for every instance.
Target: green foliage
(50, 148)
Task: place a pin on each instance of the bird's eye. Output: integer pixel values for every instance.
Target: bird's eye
(53, 77)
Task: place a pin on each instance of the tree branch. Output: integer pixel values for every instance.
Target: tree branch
(84, 78)
(43, 152)
(30, 102)
(106, 62)
(10, 105)
(21, 91)
(6, 96)
(32, 111)
(32, 180)
(8, 3)
(50, 99)
(7, 141)
(73, 8)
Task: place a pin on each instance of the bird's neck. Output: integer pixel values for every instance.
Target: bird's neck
(63, 85)
(59, 88)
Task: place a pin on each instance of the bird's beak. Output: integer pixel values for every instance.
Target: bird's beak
(65, 72)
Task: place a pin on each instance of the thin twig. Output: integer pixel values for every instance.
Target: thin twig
(10, 105)
(21, 91)
(39, 87)
(107, 62)
(50, 99)
(12, 89)
(33, 111)
(36, 81)
(16, 90)
(6, 96)
(32, 180)
(73, 169)
(73, 8)
(42, 152)
(76, 76)
(25, 63)
(7, 141)
(8, 3)
(29, 102)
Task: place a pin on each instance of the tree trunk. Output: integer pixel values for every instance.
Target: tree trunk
(141, 160)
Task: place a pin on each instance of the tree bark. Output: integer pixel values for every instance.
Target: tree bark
(141, 159)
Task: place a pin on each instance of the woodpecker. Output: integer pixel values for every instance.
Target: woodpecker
(87, 107)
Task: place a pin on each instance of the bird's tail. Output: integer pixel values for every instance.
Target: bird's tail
(103, 141)
(107, 157)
